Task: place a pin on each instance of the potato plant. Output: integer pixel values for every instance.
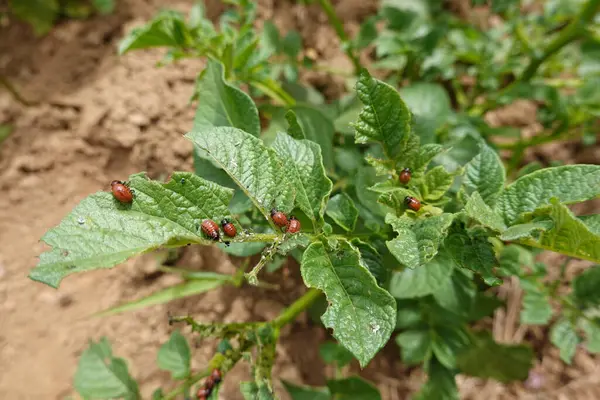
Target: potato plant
(408, 216)
(41, 15)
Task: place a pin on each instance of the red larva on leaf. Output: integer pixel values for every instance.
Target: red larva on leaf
(294, 225)
(405, 175)
(203, 393)
(412, 203)
(279, 218)
(210, 229)
(228, 228)
(216, 376)
(121, 191)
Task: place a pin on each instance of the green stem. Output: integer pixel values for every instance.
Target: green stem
(339, 29)
(288, 315)
(570, 33)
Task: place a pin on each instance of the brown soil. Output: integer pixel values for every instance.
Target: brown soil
(99, 117)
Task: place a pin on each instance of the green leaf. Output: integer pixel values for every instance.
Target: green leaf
(441, 384)
(487, 359)
(569, 184)
(100, 375)
(367, 33)
(256, 391)
(384, 118)
(318, 128)
(473, 251)
(564, 336)
(167, 29)
(40, 14)
(585, 287)
(418, 241)
(361, 314)
(292, 43)
(174, 356)
(5, 131)
(366, 177)
(430, 107)
(447, 343)
(526, 231)
(270, 40)
(332, 352)
(592, 222)
(306, 392)
(294, 129)
(415, 345)
(393, 197)
(537, 309)
(303, 159)
(457, 294)
(221, 104)
(477, 209)
(436, 183)
(592, 333)
(101, 232)
(353, 388)
(511, 259)
(373, 260)
(423, 280)
(485, 174)
(342, 210)
(255, 168)
(189, 288)
(104, 7)
(569, 235)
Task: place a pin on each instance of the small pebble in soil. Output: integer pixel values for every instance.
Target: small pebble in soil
(535, 380)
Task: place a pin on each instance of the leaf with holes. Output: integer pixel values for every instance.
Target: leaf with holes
(361, 314)
(101, 232)
(418, 241)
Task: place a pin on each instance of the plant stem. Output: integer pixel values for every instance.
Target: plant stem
(288, 315)
(570, 33)
(301, 304)
(339, 29)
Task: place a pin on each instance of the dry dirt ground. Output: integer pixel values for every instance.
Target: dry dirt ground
(100, 117)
